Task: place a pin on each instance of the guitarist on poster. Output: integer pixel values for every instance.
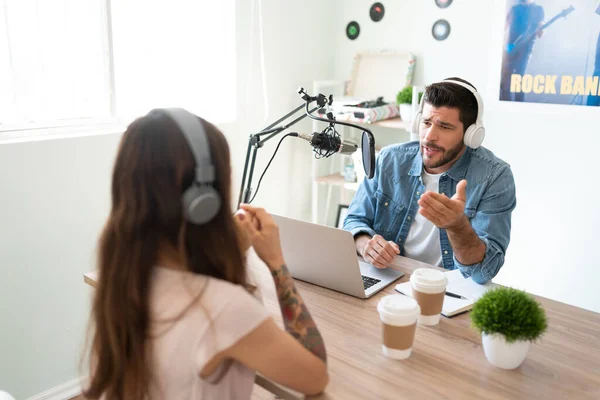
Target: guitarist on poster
(523, 19)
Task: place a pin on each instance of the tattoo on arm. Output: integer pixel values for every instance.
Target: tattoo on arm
(296, 318)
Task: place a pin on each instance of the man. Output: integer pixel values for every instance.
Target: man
(437, 200)
(522, 20)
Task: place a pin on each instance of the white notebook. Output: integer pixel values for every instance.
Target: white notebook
(457, 285)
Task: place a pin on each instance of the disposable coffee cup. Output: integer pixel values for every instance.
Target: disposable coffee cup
(398, 316)
(429, 288)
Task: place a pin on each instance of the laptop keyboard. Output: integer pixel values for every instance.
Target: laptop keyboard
(368, 282)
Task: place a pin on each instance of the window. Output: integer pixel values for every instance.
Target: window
(174, 52)
(73, 62)
(52, 62)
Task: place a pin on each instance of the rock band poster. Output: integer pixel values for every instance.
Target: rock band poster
(551, 52)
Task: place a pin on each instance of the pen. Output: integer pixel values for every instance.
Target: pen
(457, 296)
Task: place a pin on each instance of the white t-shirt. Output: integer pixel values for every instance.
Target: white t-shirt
(223, 314)
(423, 240)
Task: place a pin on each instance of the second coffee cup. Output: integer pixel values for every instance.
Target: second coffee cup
(399, 320)
(428, 288)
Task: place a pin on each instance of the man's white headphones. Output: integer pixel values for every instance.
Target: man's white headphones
(474, 134)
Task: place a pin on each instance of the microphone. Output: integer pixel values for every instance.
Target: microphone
(324, 145)
(329, 144)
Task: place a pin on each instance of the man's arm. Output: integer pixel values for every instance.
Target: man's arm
(361, 212)
(360, 241)
(478, 251)
(492, 224)
(449, 214)
(376, 250)
(467, 247)
(361, 219)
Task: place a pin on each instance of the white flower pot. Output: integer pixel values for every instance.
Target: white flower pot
(406, 113)
(502, 354)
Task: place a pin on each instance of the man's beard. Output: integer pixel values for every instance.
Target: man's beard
(447, 155)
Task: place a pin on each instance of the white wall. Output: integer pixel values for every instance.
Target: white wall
(55, 197)
(551, 148)
(293, 59)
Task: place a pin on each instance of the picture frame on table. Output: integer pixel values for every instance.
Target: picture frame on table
(341, 215)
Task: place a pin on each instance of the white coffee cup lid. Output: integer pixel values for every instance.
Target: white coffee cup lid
(398, 305)
(429, 277)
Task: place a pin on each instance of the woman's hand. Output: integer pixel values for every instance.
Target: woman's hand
(264, 236)
(246, 224)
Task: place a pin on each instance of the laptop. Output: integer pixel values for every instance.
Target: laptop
(326, 256)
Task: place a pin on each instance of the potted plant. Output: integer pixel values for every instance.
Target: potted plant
(404, 100)
(509, 321)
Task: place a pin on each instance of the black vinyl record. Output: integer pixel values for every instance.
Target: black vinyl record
(377, 12)
(440, 29)
(352, 30)
(443, 3)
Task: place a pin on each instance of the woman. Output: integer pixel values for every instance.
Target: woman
(171, 316)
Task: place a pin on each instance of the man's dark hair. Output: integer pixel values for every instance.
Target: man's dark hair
(445, 94)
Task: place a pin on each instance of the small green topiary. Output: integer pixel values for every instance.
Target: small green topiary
(405, 95)
(510, 312)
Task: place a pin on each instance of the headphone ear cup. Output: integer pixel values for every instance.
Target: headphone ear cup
(474, 136)
(200, 204)
(415, 124)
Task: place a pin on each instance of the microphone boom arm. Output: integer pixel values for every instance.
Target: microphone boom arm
(256, 140)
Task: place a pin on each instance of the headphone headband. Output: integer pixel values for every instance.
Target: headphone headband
(475, 94)
(194, 134)
(201, 202)
(475, 133)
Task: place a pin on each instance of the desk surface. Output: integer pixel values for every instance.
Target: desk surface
(447, 360)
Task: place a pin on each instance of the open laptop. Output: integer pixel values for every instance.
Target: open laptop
(326, 256)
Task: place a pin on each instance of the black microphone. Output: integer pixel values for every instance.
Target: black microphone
(325, 145)
(329, 144)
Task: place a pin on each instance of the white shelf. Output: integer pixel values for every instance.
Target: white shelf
(327, 178)
(337, 179)
(393, 123)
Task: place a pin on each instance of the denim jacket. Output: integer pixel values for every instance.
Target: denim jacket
(387, 203)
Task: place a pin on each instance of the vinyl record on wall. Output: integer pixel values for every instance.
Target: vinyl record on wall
(377, 12)
(443, 3)
(440, 29)
(352, 30)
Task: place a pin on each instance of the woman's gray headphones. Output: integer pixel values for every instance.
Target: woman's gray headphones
(201, 202)
(475, 133)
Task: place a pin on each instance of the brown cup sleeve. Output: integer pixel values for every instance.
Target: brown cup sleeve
(431, 304)
(399, 337)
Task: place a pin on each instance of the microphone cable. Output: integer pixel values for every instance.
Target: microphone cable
(269, 163)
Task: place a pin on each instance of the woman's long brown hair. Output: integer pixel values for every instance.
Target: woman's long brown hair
(154, 166)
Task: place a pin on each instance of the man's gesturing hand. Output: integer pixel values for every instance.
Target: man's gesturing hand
(444, 212)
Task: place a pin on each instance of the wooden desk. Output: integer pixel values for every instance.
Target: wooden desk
(447, 360)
